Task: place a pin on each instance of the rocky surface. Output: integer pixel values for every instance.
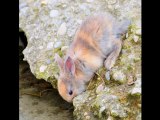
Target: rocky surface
(50, 26)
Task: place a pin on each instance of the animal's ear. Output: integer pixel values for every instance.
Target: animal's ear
(59, 60)
(70, 66)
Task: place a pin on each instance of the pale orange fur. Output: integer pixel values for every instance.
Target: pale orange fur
(95, 43)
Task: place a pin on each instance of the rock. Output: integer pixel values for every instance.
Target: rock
(119, 76)
(79, 21)
(57, 44)
(138, 32)
(42, 68)
(44, 2)
(54, 13)
(80, 98)
(137, 88)
(106, 105)
(90, 1)
(136, 91)
(111, 2)
(88, 117)
(117, 111)
(130, 80)
(100, 88)
(22, 5)
(102, 109)
(107, 89)
(131, 56)
(48, 61)
(107, 75)
(40, 47)
(138, 82)
(139, 117)
(64, 48)
(135, 38)
(71, 33)
(64, 5)
(117, 7)
(82, 6)
(126, 35)
(103, 103)
(50, 45)
(110, 7)
(110, 118)
(62, 29)
(24, 11)
(85, 113)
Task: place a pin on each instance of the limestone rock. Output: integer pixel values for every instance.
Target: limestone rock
(50, 26)
(62, 29)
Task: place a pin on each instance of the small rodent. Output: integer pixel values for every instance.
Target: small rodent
(97, 42)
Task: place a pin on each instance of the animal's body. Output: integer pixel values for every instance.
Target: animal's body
(97, 42)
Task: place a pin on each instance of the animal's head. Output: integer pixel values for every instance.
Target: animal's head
(69, 83)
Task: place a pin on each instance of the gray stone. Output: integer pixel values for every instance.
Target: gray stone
(126, 35)
(22, 5)
(110, 118)
(137, 88)
(40, 47)
(50, 45)
(107, 75)
(111, 2)
(24, 11)
(136, 91)
(54, 13)
(62, 29)
(138, 32)
(48, 61)
(57, 44)
(42, 68)
(118, 111)
(64, 48)
(135, 38)
(100, 88)
(119, 76)
(44, 2)
(85, 114)
(139, 117)
(88, 117)
(90, 1)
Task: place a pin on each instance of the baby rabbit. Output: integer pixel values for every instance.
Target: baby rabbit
(97, 41)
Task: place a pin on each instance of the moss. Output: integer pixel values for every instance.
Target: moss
(137, 59)
(115, 115)
(40, 75)
(58, 51)
(49, 72)
(129, 67)
(133, 106)
(53, 82)
(36, 10)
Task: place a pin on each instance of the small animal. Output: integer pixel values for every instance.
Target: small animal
(97, 42)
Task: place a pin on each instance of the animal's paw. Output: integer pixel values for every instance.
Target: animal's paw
(109, 64)
(107, 75)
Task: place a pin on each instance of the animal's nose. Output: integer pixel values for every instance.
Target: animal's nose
(70, 92)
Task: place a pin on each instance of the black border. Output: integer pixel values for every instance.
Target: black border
(9, 90)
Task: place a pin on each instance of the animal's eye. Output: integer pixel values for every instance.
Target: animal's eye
(70, 92)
